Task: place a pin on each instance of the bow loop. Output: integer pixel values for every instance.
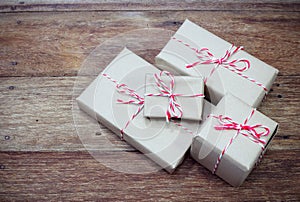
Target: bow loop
(253, 132)
(206, 57)
(162, 85)
(138, 100)
(174, 109)
(238, 66)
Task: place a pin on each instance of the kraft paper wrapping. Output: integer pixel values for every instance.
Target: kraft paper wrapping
(175, 56)
(156, 106)
(165, 144)
(242, 154)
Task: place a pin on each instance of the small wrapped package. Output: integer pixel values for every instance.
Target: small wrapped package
(115, 98)
(194, 51)
(233, 139)
(173, 97)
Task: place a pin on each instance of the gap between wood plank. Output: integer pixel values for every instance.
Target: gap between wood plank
(208, 5)
(36, 115)
(56, 44)
(77, 176)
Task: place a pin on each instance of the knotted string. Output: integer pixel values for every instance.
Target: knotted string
(137, 100)
(236, 65)
(174, 109)
(249, 131)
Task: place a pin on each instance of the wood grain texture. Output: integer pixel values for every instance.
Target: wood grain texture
(104, 5)
(49, 150)
(36, 113)
(69, 176)
(55, 44)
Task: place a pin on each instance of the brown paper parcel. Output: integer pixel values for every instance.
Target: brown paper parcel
(164, 143)
(156, 106)
(176, 55)
(242, 154)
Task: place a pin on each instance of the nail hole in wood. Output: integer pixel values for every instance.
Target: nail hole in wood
(37, 120)
(278, 84)
(279, 96)
(2, 167)
(14, 63)
(11, 87)
(6, 137)
(98, 133)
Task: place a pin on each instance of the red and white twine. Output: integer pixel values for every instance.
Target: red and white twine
(237, 65)
(186, 129)
(249, 131)
(174, 109)
(137, 100)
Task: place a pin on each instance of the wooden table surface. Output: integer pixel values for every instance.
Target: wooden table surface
(44, 43)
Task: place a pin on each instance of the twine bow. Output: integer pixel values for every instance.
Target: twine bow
(137, 100)
(250, 131)
(206, 57)
(237, 66)
(174, 109)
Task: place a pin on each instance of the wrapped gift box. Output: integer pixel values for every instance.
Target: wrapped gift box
(194, 51)
(227, 151)
(173, 97)
(115, 98)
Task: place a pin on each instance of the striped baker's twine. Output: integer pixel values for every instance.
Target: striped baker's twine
(237, 66)
(186, 129)
(137, 100)
(250, 131)
(174, 109)
(124, 89)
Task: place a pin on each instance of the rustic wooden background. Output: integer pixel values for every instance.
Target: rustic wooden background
(43, 44)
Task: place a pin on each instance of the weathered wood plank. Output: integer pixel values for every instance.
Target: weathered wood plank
(56, 43)
(69, 176)
(92, 5)
(36, 115)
